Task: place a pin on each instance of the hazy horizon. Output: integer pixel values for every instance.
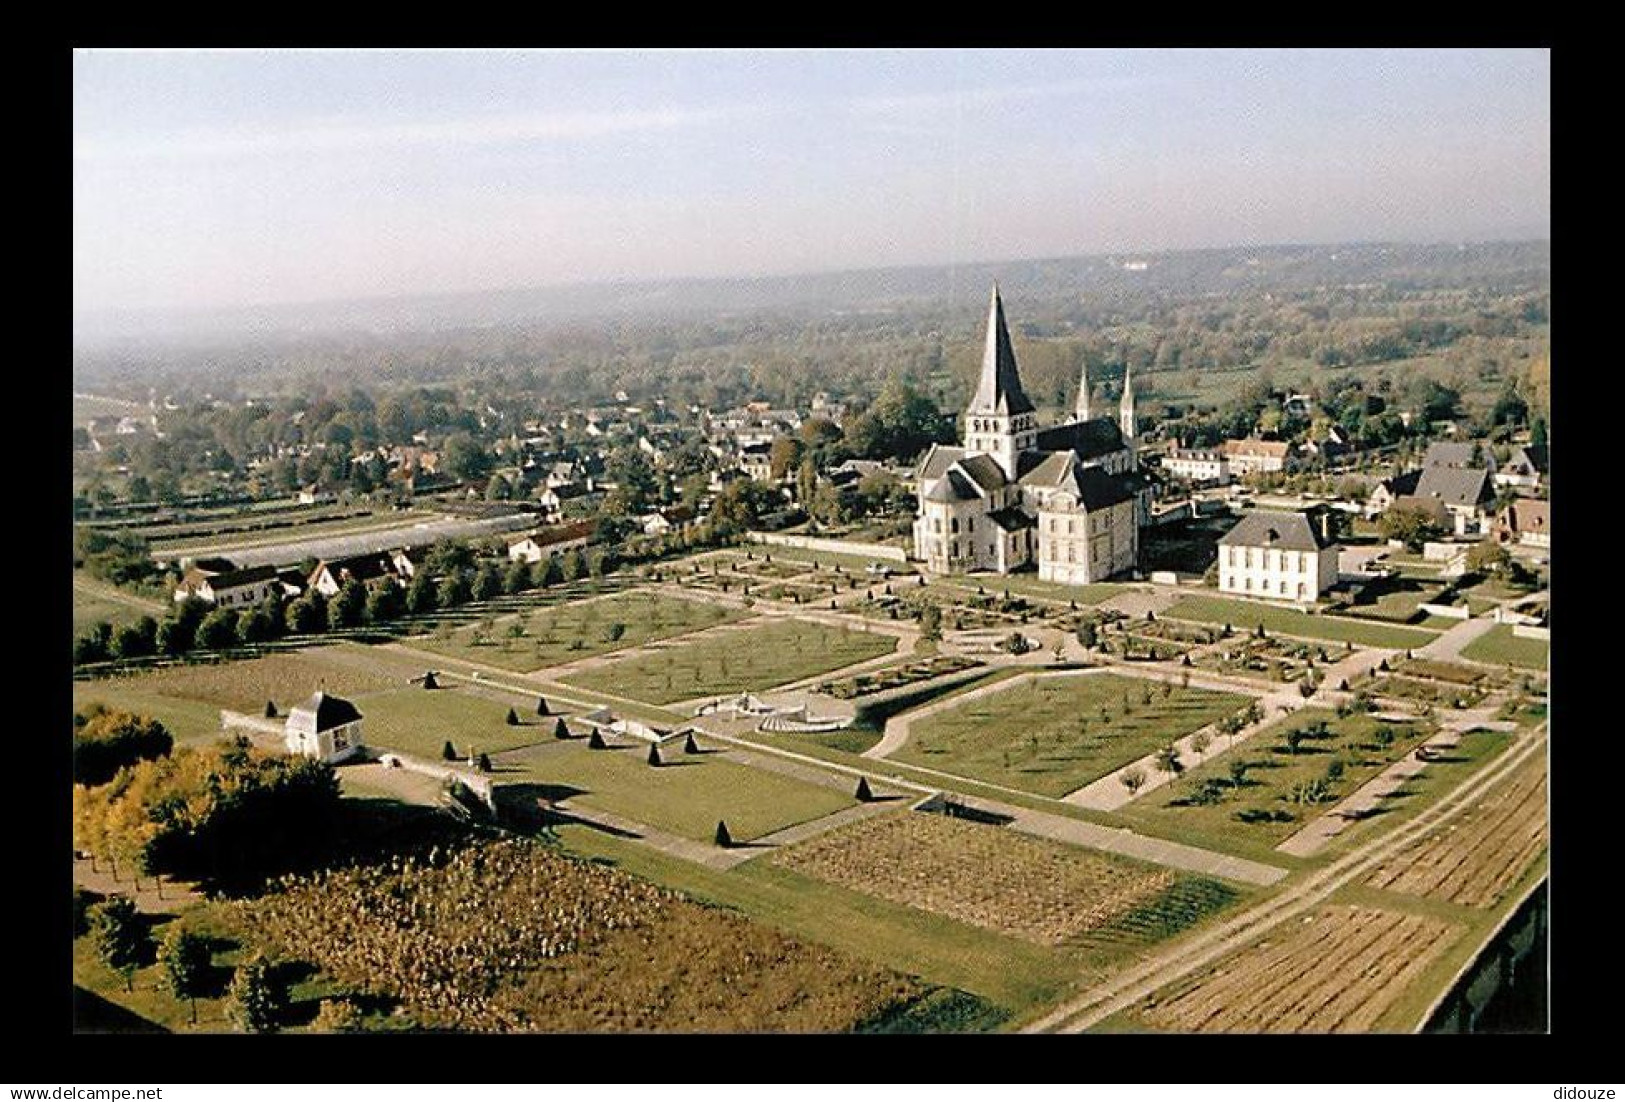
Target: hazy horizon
(239, 180)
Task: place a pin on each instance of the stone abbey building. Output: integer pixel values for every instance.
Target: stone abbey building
(1068, 499)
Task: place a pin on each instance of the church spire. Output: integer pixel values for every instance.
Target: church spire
(999, 391)
(1083, 393)
(1125, 410)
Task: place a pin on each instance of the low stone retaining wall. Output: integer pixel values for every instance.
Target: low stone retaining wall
(1453, 612)
(1531, 631)
(476, 783)
(837, 547)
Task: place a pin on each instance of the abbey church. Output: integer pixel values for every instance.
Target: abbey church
(1069, 498)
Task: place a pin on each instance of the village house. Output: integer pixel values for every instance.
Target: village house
(1256, 456)
(324, 727)
(1389, 491)
(1286, 556)
(757, 462)
(329, 576)
(227, 588)
(1465, 454)
(1465, 492)
(547, 542)
(1069, 498)
(1200, 465)
(1525, 468)
(1526, 522)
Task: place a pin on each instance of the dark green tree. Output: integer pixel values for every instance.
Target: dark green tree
(185, 958)
(119, 936)
(255, 1001)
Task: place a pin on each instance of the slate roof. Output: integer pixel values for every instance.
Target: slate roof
(1459, 486)
(999, 390)
(1041, 469)
(1090, 439)
(1267, 528)
(1534, 457)
(322, 713)
(1445, 453)
(985, 471)
(228, 579)
(1099, 490)
(953, 486)
(1011, 519)
(938, 460)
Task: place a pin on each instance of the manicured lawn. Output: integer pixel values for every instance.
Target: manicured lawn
(1032, 586)
(1247, 615)
(1272, 775)
(419, 722)
(1500, 645)
(1056, 734)
(748, 660)
(1394, 599)
(564, 633)
(686, 796)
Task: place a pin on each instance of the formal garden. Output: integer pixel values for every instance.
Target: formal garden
(750, 658)
(1052, 735)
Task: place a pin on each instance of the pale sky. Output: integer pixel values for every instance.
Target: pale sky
(233, 178)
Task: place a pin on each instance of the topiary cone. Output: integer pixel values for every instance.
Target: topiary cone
(689, 745)
(654, 754)
(541, 705)
(270, 709)
(513, 718)
(863, 794)
(724, 839)
(596, 742)
(560, 730)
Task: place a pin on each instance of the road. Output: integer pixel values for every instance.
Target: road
(1126, 988)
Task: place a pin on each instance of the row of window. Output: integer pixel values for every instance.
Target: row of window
(1282, 587)
(1269, 558)
(1097, 525)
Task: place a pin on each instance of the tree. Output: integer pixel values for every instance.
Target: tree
(111, 740)
(487, 581)
(1132, 779)
(1489, 558)
(547, 572)
(541, 706)
(454, 589)
(384, 601)
(1294, 738)
(931, 622)
(185, 958)
(464, 457)
(724, 839)
(513, 718)
(1413, 525)
(1238, 773)
(654, 754)
(118, 936)
(1168, 759)
(136, 640)
(1200, 741)
(561, 730)
(255, 1001)
(307, 615)
(218, 629)
(575, 565)
(1088, 635)
(448, 752)
(516, 578)
(595, 741)
(483, 762)
(863, 794)
(420, 594)
(348, 605)
(807, 481)
(784, 455)
(689, 745)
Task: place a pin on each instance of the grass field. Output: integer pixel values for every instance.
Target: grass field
(1014, 884)
(187, 698)
(1031, 586)
(756, 657)
(419, 722)
(1336, 972)
(1501, 646)
(687, 795)
(1473, 862)
(1267, 787)
(1056, 734)
(567, 632)
(1247, 615)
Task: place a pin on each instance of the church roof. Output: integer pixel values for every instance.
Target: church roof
(1046, 468)
(1011, 519)
(953, 486)
(322, 713)
(1090, 439)
(999, 390)
(985, 471)
(938, 460)
(1099, 490)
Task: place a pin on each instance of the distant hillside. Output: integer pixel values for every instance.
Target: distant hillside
(1041, 286)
